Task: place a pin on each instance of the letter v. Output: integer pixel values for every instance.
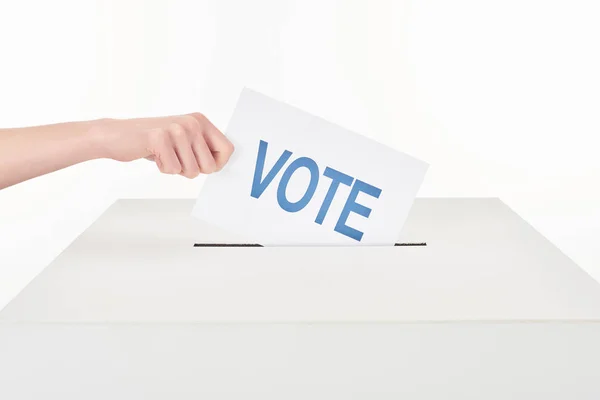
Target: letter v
(258, 184)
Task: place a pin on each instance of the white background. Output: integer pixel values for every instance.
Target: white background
(502, 99)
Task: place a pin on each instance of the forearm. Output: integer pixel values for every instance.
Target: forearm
(182, 144)
(29, 152)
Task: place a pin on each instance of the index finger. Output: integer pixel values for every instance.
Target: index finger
(220, 147)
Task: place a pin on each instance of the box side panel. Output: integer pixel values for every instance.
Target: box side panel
(384, 361)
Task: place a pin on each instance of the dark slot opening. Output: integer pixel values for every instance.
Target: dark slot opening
(227, 245)
(259, 245)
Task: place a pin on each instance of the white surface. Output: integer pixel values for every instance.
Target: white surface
(137, 263)
(501, 98)
(459, 361)
(241, 199)
(132, 311)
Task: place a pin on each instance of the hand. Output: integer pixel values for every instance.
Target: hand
(185, 144)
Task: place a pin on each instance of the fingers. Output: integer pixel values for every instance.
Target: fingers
(189, 145)
(220, 147)
(167, 161)
(183, 148)
(204, 157)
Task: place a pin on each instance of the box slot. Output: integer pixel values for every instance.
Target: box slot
(418, 244)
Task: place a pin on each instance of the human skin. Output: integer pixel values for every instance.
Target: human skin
(188, 145)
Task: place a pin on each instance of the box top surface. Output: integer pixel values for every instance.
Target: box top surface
(137, 263)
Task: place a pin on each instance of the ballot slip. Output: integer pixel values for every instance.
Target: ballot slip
(296, 179)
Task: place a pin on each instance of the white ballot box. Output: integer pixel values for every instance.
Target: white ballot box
(487, 309)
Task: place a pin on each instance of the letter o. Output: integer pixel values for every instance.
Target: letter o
(310, 190)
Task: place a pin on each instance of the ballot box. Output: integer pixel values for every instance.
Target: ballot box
(150, 303)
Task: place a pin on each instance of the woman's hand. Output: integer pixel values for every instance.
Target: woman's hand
(186, 144)
(183, 144)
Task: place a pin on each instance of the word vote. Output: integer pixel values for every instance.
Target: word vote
(260, 183)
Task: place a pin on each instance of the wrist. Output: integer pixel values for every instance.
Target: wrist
(101, 137)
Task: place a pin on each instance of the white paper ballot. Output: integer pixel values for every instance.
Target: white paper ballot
(296, 179)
